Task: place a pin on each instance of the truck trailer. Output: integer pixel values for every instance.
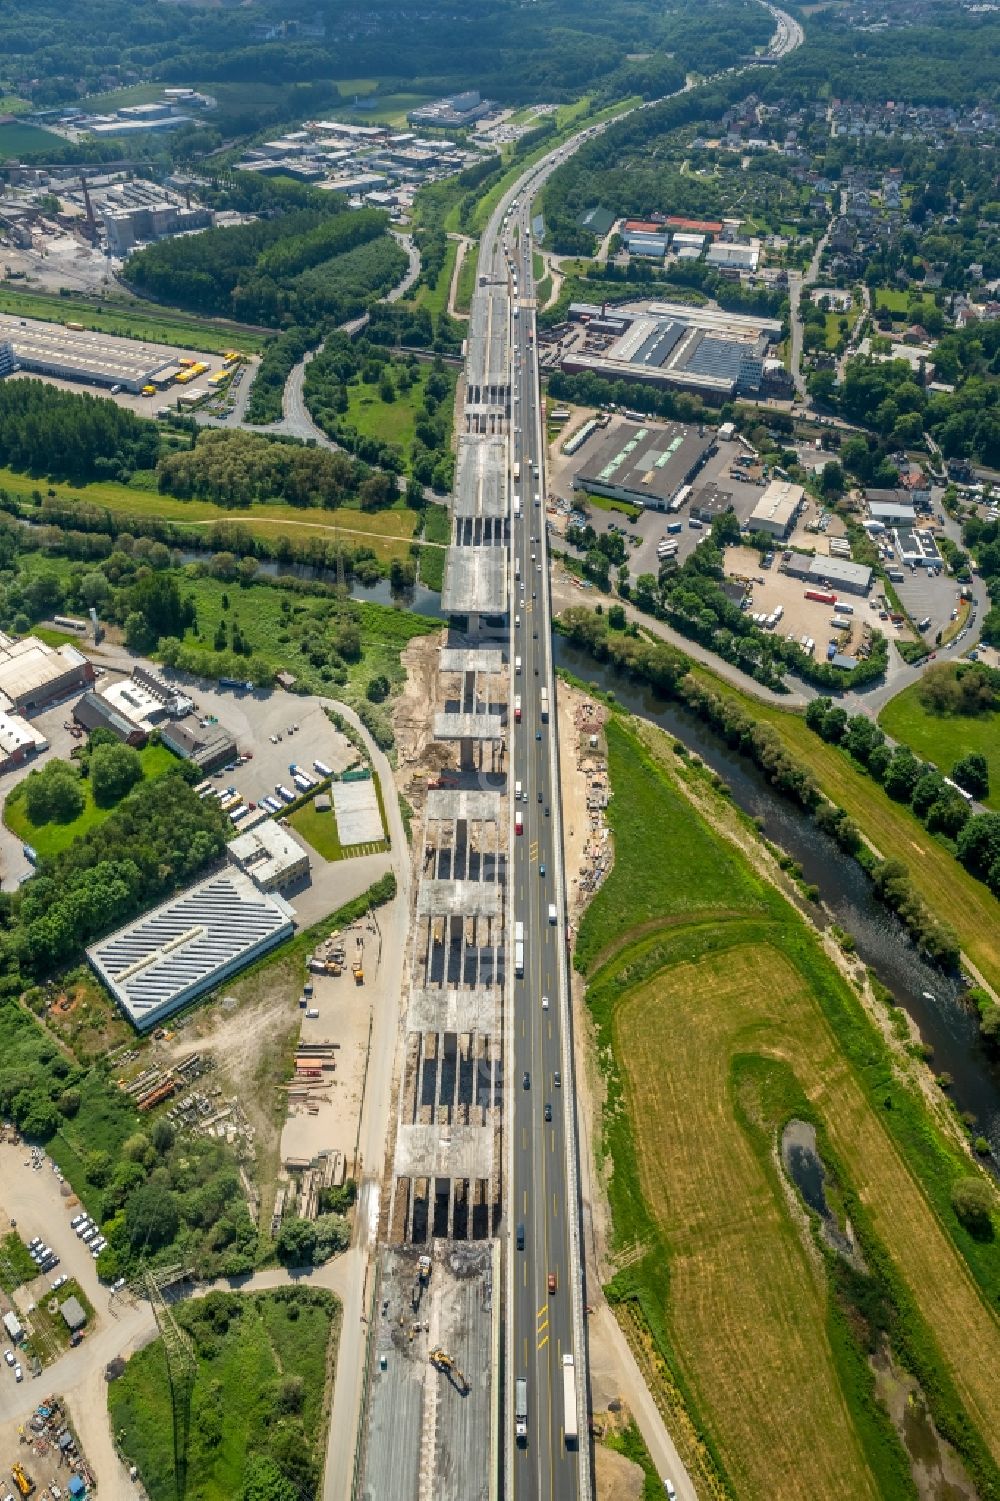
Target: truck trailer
(521, 1410)
(570, 1430)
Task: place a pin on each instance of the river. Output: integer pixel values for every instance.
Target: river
(945, 1022)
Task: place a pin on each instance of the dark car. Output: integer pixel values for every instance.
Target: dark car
(526, 1080)
(547, 1111)
(520, 1237)
(557, 1079)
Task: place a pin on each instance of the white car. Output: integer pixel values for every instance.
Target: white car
(545, 1003)
(18, 1373)
(8, 1356)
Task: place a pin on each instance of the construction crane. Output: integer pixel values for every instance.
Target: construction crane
(446, 1363)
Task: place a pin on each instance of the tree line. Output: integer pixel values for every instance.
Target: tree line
(668, 672)
(975, 837)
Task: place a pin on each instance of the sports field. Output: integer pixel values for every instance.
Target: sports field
(702, 983)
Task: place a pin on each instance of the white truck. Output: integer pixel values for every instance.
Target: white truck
(570, 1430)
(521, 1410)
(519, 948)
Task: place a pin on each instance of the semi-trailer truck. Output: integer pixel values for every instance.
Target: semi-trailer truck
(519, 948)
(545, 706)
(570, 1429)
(517, 708)
(521, 1410)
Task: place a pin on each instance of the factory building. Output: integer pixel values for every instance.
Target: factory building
(33, 675)
(190, 944)
(452, 112)
(777, 509)
(95, 359)
(646, 465)
(716, 354)
(270, 856)
(917, 548)
(709, 501)
(128, 227)
(8, 362)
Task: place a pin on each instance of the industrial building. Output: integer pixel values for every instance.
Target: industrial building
(777, 509)
(93, 712)
(80, 354)
(270, 856)
(891, 513)
(208, 746)
(710, 501)
(128, 227)
(8, 360)
(18, 741)
(453, 112)
(646, 465)
(33, 675)
(726, 257)
(715, 354)
(839, 574)
(180, 950)
(917, 548)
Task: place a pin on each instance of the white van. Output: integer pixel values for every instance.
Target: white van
(517, 792)
(553, 918)
(517, 665)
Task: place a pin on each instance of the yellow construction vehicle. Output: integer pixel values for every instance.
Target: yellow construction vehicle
(22, 1479)
(444, 1362)
(358, 972)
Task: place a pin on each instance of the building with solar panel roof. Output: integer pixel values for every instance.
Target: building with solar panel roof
(190, 944)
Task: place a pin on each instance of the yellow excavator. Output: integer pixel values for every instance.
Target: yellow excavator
(442, 1361)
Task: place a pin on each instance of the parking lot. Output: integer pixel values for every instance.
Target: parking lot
(800, 617)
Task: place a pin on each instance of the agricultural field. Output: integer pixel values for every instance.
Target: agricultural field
(719, 1019)
(944, 738)
(260, 1402)
(952, 894)
(129, 319)
(52, 838)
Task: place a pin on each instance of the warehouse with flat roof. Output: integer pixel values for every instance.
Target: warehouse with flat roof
(95, 359)
(645, 465)
(777, 509)
(270, 856)
(193, 942)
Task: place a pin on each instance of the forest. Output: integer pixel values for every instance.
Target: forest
(237, 468)
(45, 430)
(555, 50)
(344, 362)
(298, 266)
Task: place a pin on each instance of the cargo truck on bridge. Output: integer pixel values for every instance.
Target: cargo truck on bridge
(521, 1410)
(569, 1401)
(519, 948)
(545, 706)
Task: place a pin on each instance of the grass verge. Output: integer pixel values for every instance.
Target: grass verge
(131, 320)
